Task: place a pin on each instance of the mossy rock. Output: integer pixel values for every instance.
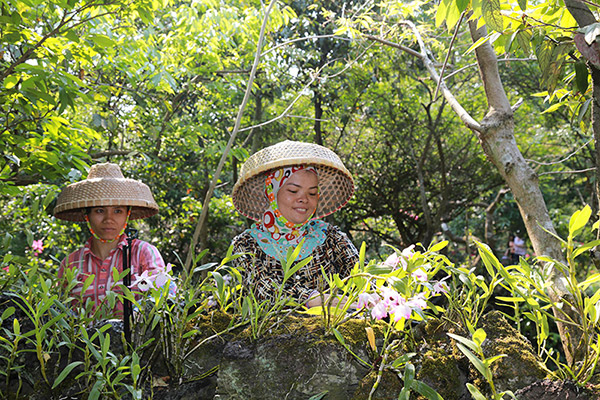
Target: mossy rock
(521, 366)
(293, 361)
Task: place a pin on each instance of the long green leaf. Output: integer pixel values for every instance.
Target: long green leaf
(463, 340)
(585, 247)
(425, 390)
(474, 360)
(65, 372)
(475, 392)
(409, 375)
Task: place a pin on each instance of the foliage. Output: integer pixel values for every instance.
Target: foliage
(531, 295)
(474, 352)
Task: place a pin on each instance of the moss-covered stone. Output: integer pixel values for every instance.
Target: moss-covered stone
(388, 387)
(295, 365)
(440, 370)
(521, 366)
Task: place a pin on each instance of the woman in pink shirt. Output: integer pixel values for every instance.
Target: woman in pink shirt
(106, 201)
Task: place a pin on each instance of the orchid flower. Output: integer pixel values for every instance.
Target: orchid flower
(420, 275)
(379, 311)
(37, 246)
(402, 310)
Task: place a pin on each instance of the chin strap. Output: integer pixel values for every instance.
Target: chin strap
(87, 220)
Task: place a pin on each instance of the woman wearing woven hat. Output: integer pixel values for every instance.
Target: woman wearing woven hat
(286, 188)
(106, 201)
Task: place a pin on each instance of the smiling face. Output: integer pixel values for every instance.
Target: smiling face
(107, 222)
(298, 197)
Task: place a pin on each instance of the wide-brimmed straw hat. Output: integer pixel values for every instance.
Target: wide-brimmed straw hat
(335, 182)
(105, 186)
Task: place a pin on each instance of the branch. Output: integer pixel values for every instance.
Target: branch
(564, 159)
(567, 172)
(429, 64)
(236, 127)
(490, 75)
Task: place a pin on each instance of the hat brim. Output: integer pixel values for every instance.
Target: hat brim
(336, 185)
(77, 197)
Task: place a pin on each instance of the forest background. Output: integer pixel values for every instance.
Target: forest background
(156, 87)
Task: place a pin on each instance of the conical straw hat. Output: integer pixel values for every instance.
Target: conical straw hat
(105, 186)
(335, 182)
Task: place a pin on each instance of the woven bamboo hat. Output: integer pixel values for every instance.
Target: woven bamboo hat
(105, 186)
(335, 182)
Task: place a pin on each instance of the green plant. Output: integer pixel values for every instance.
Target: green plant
(263, 315)
(531, 290)
(106, 376)
(474, 352)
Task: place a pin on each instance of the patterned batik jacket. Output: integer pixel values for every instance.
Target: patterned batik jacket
(263, 273)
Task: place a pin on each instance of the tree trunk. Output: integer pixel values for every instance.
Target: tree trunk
(498, 142)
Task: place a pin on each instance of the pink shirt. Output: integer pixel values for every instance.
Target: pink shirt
(144, 256)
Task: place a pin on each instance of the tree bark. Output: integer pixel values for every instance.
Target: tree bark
(498, 142)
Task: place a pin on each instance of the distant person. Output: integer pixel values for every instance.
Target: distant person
(509, 254)
(520, 250)
(106, 201)
(286, 188)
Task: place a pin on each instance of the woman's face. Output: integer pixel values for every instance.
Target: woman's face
(107, 221)
(297, 199)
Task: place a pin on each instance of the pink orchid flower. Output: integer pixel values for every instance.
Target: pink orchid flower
(211, 302)
(390, 297)
(37, 246)
(406, 255)
(379, 311)
(365, 299)
(402, 310)
(392, 261)
(144, 281)
(420, 275)
(440, 287)
(417, 302)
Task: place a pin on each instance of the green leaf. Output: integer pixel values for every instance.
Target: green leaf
(523, 38)
(581, 77)
(7, 313)
(409, 375)
(65, 372)
(339, 336)
(579, 219)
(477, 363)
(522, 4)
(463, 340)
(585, 248)
(438, 246)
(319, 396)
(102, 40)
(583, 285)
(462, 4)
(425, 390)
(442, 12)
(475, 392)
(492, 15)
(16, 327)
(479, 336)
